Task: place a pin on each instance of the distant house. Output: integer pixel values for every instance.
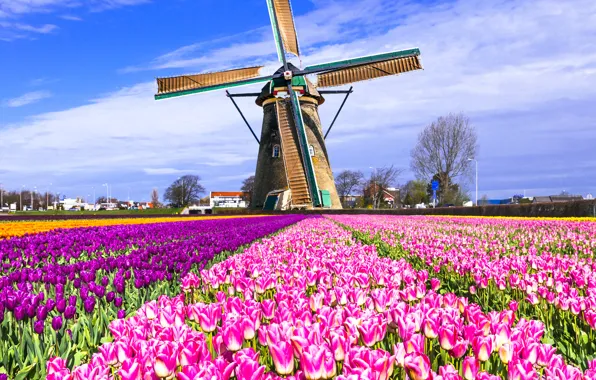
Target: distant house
(390, 195)
(228, 199)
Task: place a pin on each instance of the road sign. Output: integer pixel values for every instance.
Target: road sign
(435, 185)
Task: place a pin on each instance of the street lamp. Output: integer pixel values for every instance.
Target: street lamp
(21, 198)
(48, 196)
(476, 161)
(94, 199)
(107, 192)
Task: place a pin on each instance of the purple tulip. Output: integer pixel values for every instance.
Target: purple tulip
(19, 313)
(110, 296)
(61, 305)
(57, 323)
(38, 327)
(70, 312)
(118, 301)
(121, 314)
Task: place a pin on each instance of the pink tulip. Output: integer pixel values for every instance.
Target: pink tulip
(430, 328)
(109, 353)
(130, 370)
(530, 352)
(470, 367)
(545, 354)
(506, 353)
(268, 307)
(418, 366)
(447, 336)
(329, 366)
(56, 364)
(209, 317)
(339, 346)
(312, 362)
(521, 370)
(483, 347)
(165, 361)
(460, 348)
(233, 335)
(282, 355)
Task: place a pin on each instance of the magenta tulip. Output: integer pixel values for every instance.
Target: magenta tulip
(282, 355)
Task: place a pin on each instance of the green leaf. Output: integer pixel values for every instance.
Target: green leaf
(584, 337)
(25, 372)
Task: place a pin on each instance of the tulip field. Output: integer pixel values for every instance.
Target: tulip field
(342, 297)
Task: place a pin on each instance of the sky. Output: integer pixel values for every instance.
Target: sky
(78, 79)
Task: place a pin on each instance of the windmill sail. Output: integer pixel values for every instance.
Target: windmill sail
(190, 84)
(369, 71)
(365, 68)
(280, 12)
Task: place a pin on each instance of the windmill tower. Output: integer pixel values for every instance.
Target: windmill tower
(293, 166)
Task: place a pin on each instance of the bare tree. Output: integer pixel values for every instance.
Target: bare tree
(184, 191)
(155, 198)
(346, 181)
(248, 187)
(380, 180)
(444, 148)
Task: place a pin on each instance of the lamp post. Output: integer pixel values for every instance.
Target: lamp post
(107, 192)
(48, 196)
(1, 196)
(21, 198)
(476, 162)
(94, 199)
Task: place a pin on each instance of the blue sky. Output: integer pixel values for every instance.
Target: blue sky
(77, 108)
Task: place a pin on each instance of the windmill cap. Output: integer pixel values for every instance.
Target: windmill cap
(298, 81)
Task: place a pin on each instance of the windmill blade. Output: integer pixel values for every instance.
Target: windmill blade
(280, 12)
(309, 168)
(191, 84)
(365, 68)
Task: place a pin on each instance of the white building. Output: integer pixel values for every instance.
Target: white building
(228, 199)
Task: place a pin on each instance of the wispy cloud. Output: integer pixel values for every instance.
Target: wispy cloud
(28, 98)
(71, 18)
(166, 171)
(19, 7)
(10, 31)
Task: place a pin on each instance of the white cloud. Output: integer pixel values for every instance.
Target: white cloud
(28, 98)
(71, 18)
(486, 59)
(165, 171)
(18, 7)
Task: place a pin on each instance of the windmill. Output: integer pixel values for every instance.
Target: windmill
(293, 169)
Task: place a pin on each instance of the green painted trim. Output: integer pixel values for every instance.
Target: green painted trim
(274, 27)
(212, 88)
(310, 170)
(365, 60)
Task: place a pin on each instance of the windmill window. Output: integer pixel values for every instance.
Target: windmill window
(311, 150)
(275, 151)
